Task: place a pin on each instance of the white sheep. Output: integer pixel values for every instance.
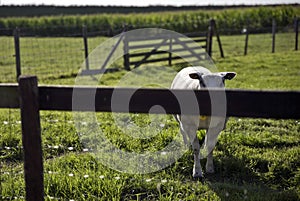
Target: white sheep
(195, 78)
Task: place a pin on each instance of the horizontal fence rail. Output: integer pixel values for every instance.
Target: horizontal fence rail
(240, 103)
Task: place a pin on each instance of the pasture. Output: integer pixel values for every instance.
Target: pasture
(255, 159)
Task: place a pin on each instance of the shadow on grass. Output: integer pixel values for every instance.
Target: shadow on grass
(233, 180)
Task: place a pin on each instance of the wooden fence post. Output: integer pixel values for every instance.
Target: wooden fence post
(218, 39)
(210, 36)
(170, 50)
(86, 49)
(31, 138)
(296, 33)
(126, 51)
(17, 51)
(273, 34)
(246, 42)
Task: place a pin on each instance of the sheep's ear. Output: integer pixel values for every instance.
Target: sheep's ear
(194, 76)
(228, 75)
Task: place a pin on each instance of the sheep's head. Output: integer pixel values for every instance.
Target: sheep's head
(214, 80)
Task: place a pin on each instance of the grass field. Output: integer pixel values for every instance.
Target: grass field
(255, 159)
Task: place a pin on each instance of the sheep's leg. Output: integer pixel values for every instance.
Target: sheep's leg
(210, 168)
(191, 132)
(210, 142)
(184, 136)
(188, 128)
(197, 170)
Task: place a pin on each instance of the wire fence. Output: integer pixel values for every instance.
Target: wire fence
(61, 56)
(252, 41)
(48, 57)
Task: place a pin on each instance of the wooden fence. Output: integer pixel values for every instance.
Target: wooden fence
(131, 44)
(156, 46)
(31, 98)
(166, 47)
(137, 58)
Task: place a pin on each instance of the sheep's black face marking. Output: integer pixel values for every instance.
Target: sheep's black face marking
(228, 75)
(202, 83)
(196, 76)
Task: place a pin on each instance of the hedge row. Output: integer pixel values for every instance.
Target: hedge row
(184, 21)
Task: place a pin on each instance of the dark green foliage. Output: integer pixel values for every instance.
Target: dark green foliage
(228, 21)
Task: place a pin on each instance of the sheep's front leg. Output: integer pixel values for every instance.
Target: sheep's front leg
(197, 170)
(190, 132)
(184, 135)
(188, 128)
(210, 168)
(210, 142)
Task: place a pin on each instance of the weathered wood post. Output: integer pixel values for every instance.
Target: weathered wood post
(17, 51)
(246, 31)
(273, 34)
(170, 51)
(31, 138)
(126, 50)
(218, 39)
(210, 36)
(296, 33)
(246, 42)
(86, 49)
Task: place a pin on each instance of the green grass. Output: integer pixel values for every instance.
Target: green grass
(255, 159)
